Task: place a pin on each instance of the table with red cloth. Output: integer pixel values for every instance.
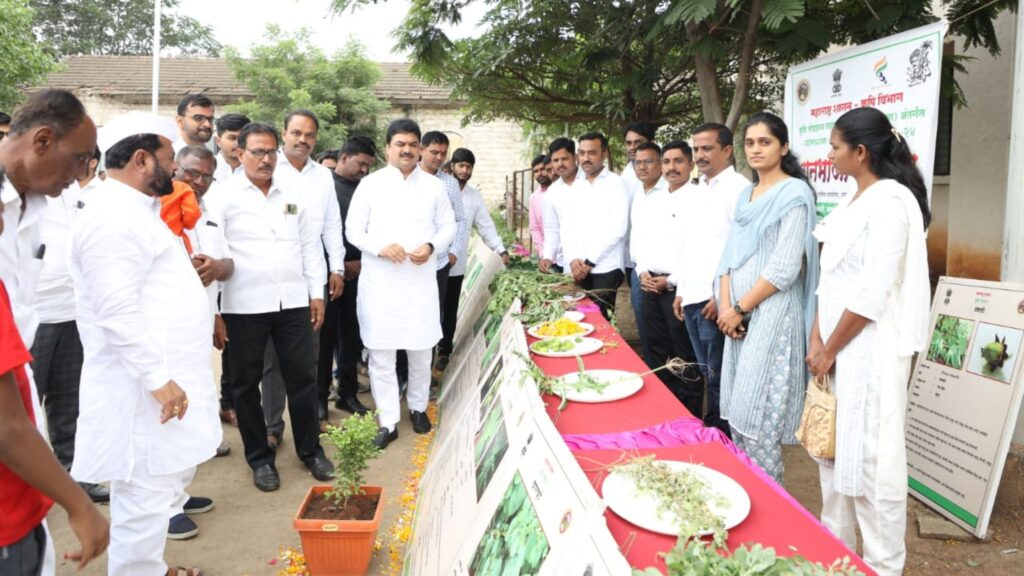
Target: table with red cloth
(653, 421)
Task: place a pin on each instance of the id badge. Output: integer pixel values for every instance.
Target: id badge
(291, 209)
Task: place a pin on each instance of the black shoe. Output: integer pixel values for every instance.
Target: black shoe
(321, 468)
(385, 437)
(266, 479)
(350, 404)
(197, 505)
(181, 527)
(98, 493)
(420, 422)
(442, 363)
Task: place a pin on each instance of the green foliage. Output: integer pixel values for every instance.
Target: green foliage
(949, 341)
(540, 293)
(353, 450)
(119, 27)
(694, 557)
(288, 71)
(514, 542)
(573, 66)
(23, 61)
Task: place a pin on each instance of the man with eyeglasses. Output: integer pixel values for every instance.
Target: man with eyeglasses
(275, 295)
(314, 182)
(195, 121)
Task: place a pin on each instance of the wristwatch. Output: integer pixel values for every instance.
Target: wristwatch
(431, 244)
(739, 309)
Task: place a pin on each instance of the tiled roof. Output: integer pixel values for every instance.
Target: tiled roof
(130, 77)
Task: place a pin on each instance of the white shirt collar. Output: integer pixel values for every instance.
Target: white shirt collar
(729, 170)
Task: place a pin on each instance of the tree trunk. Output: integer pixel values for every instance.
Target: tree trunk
(741, 92)
(707, 82)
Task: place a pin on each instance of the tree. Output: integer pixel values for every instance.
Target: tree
(119, 27)
(615, 61)
(289, 72)
(23, 62)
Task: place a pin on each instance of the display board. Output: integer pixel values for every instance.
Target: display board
(964, 398)
(899, 75)
(501, 492)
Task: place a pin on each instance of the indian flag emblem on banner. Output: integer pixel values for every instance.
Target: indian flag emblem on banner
(880, 67)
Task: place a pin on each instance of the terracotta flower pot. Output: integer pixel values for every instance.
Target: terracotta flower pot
(338, 547)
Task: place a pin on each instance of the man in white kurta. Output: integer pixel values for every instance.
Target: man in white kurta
(399, 217)
(148, 406)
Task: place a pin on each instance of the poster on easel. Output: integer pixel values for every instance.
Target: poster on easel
(964, 397)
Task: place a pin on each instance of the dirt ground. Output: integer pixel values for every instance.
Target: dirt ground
(243, 534)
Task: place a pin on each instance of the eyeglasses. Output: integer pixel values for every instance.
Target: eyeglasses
(645, 162)
(197, 175)
(199, 119)
(259, 154)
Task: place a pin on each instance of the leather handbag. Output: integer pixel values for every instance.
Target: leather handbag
(817, 431)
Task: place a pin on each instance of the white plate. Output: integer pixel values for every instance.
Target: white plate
(574, 315)
(574, 297)
(621, 385)
(587, 346)
(622, 497)
(587, 330)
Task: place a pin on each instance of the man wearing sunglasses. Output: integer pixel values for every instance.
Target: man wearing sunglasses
(195, 121)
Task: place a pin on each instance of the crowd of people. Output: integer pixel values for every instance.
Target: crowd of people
(122, 286)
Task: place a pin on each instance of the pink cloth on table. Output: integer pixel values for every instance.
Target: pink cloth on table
(585, 308)
(681, 431)
(537, 220)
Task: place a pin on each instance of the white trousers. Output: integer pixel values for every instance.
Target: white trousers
(178, 505)
(138, 519)
(384, 384)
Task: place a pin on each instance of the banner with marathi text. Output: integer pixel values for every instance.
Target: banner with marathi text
(899, 75)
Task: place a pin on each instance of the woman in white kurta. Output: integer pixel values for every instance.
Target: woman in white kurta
(399, 217)
(872, 317)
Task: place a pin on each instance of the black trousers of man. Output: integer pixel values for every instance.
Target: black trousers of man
(603, 288)
(351, 343)
(293, 340)
(449, 315)
(57, 369)
(667, 338)
(226, 401)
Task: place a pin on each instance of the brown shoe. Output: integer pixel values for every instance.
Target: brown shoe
(229, 417)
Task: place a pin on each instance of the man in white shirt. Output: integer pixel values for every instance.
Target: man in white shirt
(275, 294)
(57, 350)
(713, 209)
(658, 227)
(463, 162)
(148, 408)
(636, 133)
(316, 186)
(399, 216)
(226, 140)
(591, 217)
(562, 154)
(194, 120)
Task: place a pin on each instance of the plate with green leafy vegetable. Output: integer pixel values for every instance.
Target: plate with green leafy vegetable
(566, 347)
(594, 386)
(671, 497)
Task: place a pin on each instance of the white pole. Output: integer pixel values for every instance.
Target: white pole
(156, 55)
(1013, 233)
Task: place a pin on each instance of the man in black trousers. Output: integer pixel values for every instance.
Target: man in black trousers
(354, 162)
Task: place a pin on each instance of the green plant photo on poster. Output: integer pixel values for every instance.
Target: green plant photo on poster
(949, 341)
(514, 543)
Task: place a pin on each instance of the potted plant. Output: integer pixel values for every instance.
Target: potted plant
(338, 523)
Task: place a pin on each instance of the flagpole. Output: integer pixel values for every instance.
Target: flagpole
(156, 55)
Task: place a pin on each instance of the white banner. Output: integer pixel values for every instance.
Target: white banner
(899, 75)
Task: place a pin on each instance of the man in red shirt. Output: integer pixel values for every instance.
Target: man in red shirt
(31, 478)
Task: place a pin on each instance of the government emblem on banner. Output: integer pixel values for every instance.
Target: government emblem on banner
(837, 84)
(920, 68)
